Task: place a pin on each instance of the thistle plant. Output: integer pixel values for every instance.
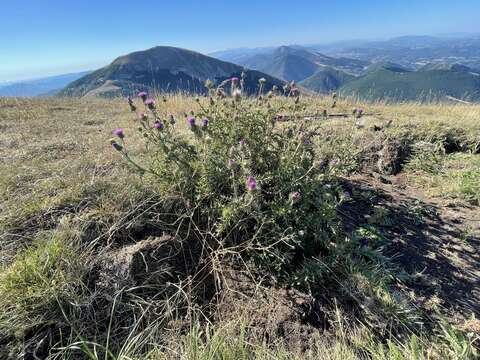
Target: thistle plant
(358, 112)
(246, 182)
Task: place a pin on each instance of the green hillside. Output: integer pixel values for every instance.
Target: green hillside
(399, 84)
(326, 80)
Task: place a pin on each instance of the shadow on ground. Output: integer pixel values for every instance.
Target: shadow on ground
(438, 245)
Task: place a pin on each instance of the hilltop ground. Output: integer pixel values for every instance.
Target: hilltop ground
(409, 182)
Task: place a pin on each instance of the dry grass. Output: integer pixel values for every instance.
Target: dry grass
(55, 154)
(59, 177)
(56, 158)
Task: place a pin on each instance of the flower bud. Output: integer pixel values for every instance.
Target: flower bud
(130, 103)
(251, 184)
(119, 132)
(346, 196)
(116, 145)
(295, 197)
(150, 103)
(191, 121)
(158, 125)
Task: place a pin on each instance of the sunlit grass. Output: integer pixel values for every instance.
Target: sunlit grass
(453, 176)
(64, 192)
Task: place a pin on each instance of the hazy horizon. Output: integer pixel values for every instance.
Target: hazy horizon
(58, 37)
(94, 66)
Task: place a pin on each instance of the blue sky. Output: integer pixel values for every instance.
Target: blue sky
(45, 37)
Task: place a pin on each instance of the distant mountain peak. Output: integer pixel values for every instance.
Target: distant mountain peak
(162, 68)
(446, 66)
(326, 80)
(299, 63)
(386, 65)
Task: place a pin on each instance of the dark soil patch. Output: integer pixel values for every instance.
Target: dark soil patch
(426, 237)
(270, 313)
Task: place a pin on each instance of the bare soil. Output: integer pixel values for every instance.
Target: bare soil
(436, 241)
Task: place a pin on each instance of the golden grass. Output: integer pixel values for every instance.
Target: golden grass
(55, 151)
(51, 148)
(57, 165)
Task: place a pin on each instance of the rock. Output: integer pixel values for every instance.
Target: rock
(151, 261)
(391, 157)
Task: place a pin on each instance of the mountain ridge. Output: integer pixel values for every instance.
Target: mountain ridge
(296, 63)
(43, 86)
(163, 68)
(386, 83)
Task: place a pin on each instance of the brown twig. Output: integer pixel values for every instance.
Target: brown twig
(284, 118)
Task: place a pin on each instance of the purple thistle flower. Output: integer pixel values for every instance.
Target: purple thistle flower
(116, 145)
(142, 95)
(191, 121)
(360, 111)
(307, 142)
(204, 122)
(150, 103)
(231, 163)
(242, 143)
(295, 197)
(234, 79)
(251, 183)
(119, 132)
(158, 125)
